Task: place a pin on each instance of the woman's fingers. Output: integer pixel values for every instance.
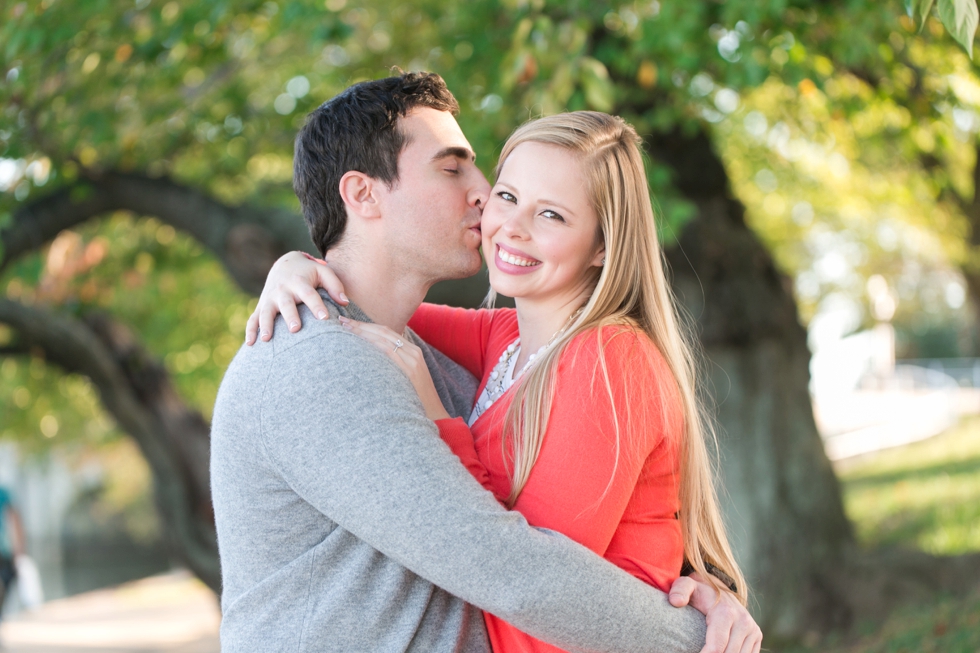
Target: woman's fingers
(286, 303)
(385, 345)
(409, 359)
(293, 280)
(370, 327)
(385, 340)
(252, 327)
(332, 284)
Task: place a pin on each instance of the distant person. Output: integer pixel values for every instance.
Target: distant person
(11, 543)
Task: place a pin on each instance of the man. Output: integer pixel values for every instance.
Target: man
(11, 542)
(344, 523)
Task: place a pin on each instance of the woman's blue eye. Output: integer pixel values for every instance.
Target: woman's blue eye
(507, 197)
(551, 215)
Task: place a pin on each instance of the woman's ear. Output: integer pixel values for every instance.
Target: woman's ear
(358, 192)
(600, 258)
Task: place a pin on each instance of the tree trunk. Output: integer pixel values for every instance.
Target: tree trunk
(780, 495)
(136, 391)
(970, 208)
(781, 498)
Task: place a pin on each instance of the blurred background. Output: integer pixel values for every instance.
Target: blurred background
(814, 165)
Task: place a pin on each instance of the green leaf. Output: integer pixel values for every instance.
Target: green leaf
(599, 92)
(960, 17)
(910, 7)
(925, 7)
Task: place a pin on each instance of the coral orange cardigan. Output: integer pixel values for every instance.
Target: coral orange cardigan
(616, 496)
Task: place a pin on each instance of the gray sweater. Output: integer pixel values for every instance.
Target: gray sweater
(346, 524)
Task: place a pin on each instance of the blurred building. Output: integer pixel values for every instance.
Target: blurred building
(866, 400)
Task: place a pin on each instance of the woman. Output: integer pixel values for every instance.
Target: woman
(587, 420)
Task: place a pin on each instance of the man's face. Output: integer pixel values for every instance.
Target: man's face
(433, 211)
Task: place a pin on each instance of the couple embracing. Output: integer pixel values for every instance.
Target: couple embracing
(399, 476)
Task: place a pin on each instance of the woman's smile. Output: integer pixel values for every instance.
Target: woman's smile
(512, 261)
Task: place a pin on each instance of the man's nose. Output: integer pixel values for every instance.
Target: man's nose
(480, 193)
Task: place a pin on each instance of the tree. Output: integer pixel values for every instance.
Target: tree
(186, 112)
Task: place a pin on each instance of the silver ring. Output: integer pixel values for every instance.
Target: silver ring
(398, 345)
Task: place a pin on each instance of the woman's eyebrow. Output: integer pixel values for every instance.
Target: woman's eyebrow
(456, 153)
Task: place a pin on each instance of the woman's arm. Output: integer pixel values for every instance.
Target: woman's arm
(456, 434)
(461, 334)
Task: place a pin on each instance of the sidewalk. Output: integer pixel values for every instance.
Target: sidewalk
(172, 613)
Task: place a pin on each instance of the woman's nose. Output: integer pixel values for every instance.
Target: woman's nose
(515, 225)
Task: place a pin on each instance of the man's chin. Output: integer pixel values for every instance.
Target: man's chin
(466, 269)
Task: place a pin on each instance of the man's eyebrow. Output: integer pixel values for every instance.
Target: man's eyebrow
(455, 152)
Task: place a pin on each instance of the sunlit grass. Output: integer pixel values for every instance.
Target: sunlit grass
(945, 625)
(924, 495)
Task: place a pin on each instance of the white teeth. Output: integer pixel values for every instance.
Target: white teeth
(513, 260)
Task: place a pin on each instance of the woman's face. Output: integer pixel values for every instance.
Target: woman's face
(539, 230)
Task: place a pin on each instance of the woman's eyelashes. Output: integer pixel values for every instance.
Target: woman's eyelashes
(547, 213)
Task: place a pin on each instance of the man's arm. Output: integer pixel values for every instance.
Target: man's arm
(347, 432)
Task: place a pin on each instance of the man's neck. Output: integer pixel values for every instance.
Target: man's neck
(386, 295)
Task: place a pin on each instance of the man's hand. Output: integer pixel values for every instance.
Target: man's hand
(731, 629)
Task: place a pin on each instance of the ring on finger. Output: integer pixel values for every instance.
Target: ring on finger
(398, 345)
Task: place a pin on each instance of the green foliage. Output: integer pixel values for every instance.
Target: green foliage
(158, 282)
(846, 175)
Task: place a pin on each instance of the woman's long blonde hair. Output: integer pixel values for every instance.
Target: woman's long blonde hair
(631, 289)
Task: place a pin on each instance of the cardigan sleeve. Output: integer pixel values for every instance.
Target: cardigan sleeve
(462, 334)
(586, 472)
(455, 433)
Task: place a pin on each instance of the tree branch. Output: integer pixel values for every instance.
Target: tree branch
(136, 391)
(971, 209)
(246, 239)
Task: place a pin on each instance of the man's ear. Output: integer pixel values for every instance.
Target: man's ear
(359, 194)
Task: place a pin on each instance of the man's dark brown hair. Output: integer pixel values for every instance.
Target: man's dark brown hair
(357, 130)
